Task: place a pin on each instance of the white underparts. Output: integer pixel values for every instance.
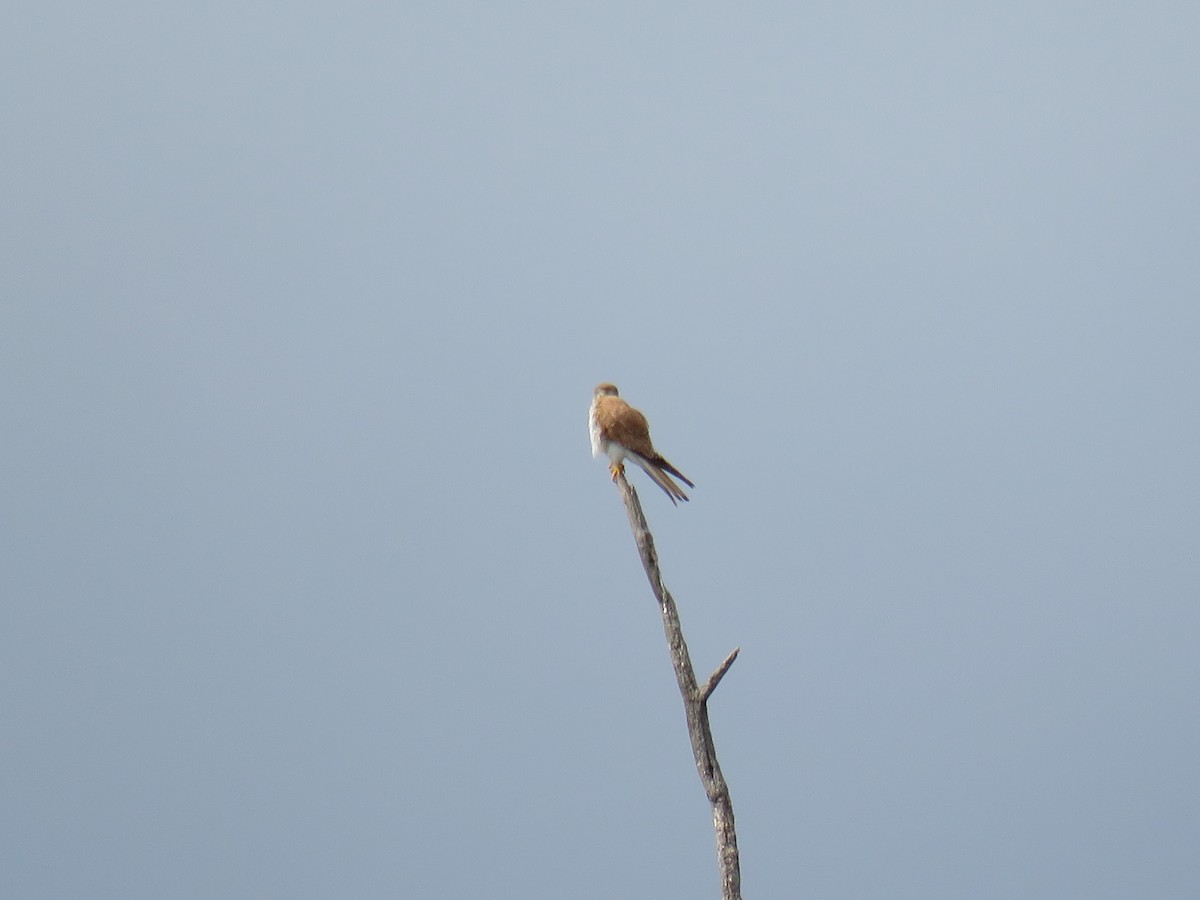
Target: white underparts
(594, 430)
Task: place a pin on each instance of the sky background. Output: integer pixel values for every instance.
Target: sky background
(310, 587)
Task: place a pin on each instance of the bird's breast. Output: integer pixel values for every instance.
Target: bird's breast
(594, 431)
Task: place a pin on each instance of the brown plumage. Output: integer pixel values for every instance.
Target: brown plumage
(621, 432)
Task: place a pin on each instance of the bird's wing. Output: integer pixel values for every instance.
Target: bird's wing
(620, 422)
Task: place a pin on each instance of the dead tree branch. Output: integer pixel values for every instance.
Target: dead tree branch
(695, 699)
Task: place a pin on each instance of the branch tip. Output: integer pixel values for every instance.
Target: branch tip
(715, 678)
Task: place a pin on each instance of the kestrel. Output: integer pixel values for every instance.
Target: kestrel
(621, 432)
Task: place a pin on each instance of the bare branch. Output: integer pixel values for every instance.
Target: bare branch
(715, 678)
(695, 699)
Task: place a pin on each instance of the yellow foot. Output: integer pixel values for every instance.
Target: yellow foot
(617, 469)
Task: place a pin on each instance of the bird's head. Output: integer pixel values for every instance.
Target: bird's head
(605, 389)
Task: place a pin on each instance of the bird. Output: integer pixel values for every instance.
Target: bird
(620, 432)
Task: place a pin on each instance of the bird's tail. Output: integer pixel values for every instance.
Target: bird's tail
(654, 468)
(663, 464)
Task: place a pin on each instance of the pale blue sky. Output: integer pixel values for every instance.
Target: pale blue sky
(312, 589)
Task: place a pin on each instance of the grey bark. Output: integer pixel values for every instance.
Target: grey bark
(695, 699)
